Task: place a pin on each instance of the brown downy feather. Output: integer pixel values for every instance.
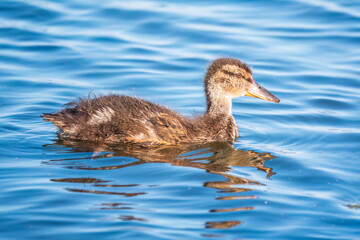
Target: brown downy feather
(115, 118)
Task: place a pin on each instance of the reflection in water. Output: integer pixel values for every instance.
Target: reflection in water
(79, 180)
(103, 192)
(131, 218)
(224, 225)
(115, 206)
(216, 158)
(353, 206)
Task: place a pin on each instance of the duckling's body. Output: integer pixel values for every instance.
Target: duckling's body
(115, 118)
(124, 119)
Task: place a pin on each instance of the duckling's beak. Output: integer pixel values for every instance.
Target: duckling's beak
(256, 90)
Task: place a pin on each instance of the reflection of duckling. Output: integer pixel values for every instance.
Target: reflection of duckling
(118, 118)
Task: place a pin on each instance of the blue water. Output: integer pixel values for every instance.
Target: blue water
(292, 174)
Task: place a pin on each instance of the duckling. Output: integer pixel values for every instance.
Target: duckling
(124, 119)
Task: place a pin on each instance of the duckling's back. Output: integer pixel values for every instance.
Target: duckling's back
(119, 118)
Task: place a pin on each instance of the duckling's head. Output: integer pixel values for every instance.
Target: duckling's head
(228, 78)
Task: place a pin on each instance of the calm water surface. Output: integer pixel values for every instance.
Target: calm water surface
(292, 174)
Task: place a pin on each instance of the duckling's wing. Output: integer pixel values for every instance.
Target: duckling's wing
(160, 129)
(169, 128)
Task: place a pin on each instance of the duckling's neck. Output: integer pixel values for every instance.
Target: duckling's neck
(217, 102)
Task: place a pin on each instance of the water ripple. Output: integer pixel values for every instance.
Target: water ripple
(292, 174)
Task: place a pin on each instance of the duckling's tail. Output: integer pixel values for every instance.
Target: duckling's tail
(54, 118)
